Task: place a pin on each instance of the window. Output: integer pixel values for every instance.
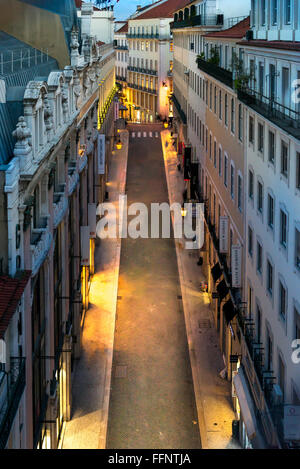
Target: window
(282, 300)
(215, 154)
(251, 130)
(210, 147)
(281, 374)
(240, 193)
(298, 170)
(232, 116)
(283, 228)
(270, 211)
(220, 104)
(232, 181)
(260, 142)
(269, 277)
(258, 323)
(297, 323)
(225, 170)
(226, 110)
(284, 159)
(215, 100)
(220, 162)
(274, 11)
(297, 248)
(259, 257)
(240, 122)
(250, 241)
(269, 352)
(263, 12)
(287, 11)
(251, 184)
(271, 147)
(260, 197)
(210, 96)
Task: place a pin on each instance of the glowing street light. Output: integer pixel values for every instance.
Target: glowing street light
(119, 144)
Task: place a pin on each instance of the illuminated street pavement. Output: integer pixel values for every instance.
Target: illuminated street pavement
(152, 402)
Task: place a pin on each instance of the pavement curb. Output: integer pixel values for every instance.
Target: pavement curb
(189, 333)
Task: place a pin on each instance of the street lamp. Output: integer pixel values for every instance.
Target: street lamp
(166, 125)
(183, 211)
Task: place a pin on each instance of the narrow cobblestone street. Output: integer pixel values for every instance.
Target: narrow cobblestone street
(152, 402)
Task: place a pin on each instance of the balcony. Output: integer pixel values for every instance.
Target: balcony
(41, 240)
(12, 385)
(142, 88)
(198, 20)
(284, 117)
(143, 35)
(118, 47)
(146, 71)
(179, 109)
(121, 78)
(225, 76)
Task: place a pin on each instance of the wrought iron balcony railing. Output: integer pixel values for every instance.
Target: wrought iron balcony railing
(225, 76)
(284, 117)
(198, 20)
(146, 71)
(143, 35)
(179, 109)
(12, 384)
(142, 88)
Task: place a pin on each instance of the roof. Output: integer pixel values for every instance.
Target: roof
(16, 81)
(162, 9)
(79, 3)
(124, 29)
(237, 31)
(284, 45)
(11, 291)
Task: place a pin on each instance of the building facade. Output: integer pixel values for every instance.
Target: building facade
(51, 183)
(237, 116)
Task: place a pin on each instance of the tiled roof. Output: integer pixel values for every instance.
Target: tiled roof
(124, 29)
(237, 31)
(284, 45)
(163, 9)
(11, 290)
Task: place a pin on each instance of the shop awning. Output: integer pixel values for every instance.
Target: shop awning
(245, 403)
(229, 311)
(222, 289)
(216, 272)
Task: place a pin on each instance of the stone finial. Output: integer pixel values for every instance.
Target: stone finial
(48, 115)
(22, 134)
(74, 44)
(23, 149)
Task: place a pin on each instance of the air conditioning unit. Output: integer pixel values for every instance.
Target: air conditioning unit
(249, 35)
(277, 395)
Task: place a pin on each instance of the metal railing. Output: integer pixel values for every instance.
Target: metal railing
(12, 386)
(198, 20)
(19, 59)
(120, 78)
(142, 88)
(286, 118)
(143, 35)
(221, 74)
(179, 109)
(146, 71)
